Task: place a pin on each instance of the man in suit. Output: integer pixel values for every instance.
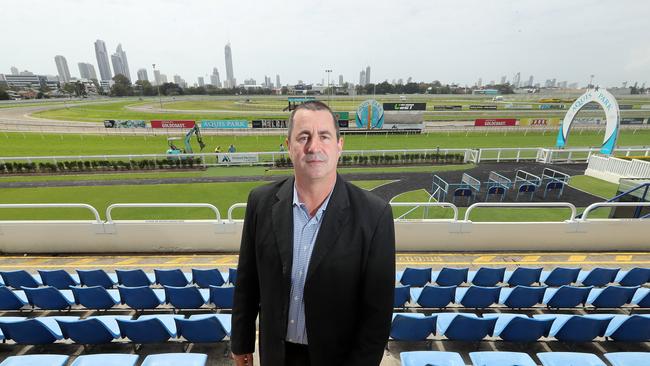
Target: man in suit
(317, 260)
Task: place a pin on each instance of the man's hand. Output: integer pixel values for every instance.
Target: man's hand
(243, 360)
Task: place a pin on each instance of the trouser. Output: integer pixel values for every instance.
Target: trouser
(296, 354)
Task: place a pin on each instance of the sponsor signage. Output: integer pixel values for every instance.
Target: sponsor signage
(495, 122)
(551, 106)
(403, 126)
(478, 106)
(539, 122)
(447, 107)
(587, 120)
(172, 124)
(631, 121)
(625, 106)
(344, 123)
(370, 114)
(224, 123)
(342, 116)
(269, 123)
(237, 158)
(645, 106)
(518, 106)
(405, 106)
(124, 123)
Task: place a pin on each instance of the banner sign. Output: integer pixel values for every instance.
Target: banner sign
(587, 120)
(495, 122)
(124, 123)
(551, 106)
(625, 106)
(172, 124)
(342, 116)
(269, 123)
(478, 106)
(447, 107)
(237, 158)
(344, 123)
(403, 126)
(631, 121)
(224, 123)
(539, 122)
(518, 106)
(405, 106)
(370, 114)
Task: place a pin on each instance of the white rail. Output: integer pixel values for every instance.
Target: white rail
(109, 209)
(428, 204)
(523, 205)
(596, 205)
(54, 205)
(232, 208)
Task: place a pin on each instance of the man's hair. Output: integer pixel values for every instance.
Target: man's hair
(313, 106)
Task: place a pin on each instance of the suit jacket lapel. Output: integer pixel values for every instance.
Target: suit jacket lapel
(282, 217)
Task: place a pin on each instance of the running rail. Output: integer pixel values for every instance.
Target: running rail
(54, 205)
(594, 206)
(428, 204)
(109, 218)
(523, 205)
(232, 208)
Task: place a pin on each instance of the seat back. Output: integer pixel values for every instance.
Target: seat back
(407, 328)
(18, 279)
(232, 276)
(635, 328)
(463, 328)
(139, 298)
(561, 276)
(170, 277)
(452, 276)
(526, 329)
(222, 296)
(524, 276)
(201, 330)
(46, 298)
(94, 297)
(29, 331)
(144, 331)
(525, 296)
(205, 278)
(635, 277)
(614, 297)
(486, 276)
(86, 331)
(132, 277)
(416, 277)
(569, 297)
(57, 278)
(402, 295)
(581, 329)
(9, 300)
(95, 277)
(436, 296)
(187, 297)
(600, 276)
(480, 297)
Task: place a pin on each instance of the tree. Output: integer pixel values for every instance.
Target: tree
(146, 88)
(122, 86)
(4, 95)
(69, 88)
(171, 89)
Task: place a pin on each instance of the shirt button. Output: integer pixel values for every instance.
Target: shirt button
(304, 248)
(292, 321)
(295, 298)
(290, 340)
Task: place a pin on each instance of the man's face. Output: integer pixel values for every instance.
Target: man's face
(313, 147)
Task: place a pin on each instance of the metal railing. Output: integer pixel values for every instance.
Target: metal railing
(523, 205)
(426, 204)
(55, 205)
(109, 209)
(596, 205)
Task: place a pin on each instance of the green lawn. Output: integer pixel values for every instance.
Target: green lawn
(595, 186)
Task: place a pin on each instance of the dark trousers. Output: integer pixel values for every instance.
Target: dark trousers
(296, 354)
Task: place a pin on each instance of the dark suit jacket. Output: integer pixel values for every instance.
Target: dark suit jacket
(350, 281)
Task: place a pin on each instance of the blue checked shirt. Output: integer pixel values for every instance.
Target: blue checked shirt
(305, 231)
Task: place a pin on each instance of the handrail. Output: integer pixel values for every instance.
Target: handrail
(643, 185)
(109, 218)
(611, 204)
(54, 205)
(233, 207)
(522, 205)
(428, 204)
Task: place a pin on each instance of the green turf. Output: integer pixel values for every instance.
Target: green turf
(595, 186)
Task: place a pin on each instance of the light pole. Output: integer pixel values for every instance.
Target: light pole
(329, 89)
(158, 85)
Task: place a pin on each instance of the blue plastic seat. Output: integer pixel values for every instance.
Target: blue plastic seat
(175, 359)
(598, 276)
(93, 330)
(43, 330)
(95, 297)
(19, 279)
(501, 359)
(188, 297)
(565, 296)
(412, 327)
(633, 328)
(134, 277)
(627, 358)
(149, 328)
(49, 298)
(106, 359)
(610, 296)
(205, 278)
(559, 276)
(519, 328)
(12, 300)
(433, 296)
(464, 327)
(486, 276)
(143, 297)
(423, 358)
(415, 277)
(58, 278)
(232, 276)
(222, 296)
(402, 296)
(641, 298)
(478, 297)
(31, 360)
(97, 277)
(450, 276)
(204, 328)
(9, 319)
(633, 277)
(172, 277)
(576, 328)
(569, 359)
(522, 276)
(521, 296)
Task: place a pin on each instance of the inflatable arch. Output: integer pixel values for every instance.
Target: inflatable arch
(612, 113)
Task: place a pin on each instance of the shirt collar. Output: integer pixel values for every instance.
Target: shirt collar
(321, 209)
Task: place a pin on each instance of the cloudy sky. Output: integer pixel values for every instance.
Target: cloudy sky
(450, 40)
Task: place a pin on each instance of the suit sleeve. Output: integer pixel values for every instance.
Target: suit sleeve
(376, 305)
(247, 295)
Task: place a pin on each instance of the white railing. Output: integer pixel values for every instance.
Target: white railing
(596, 205)
(109, 209)
(612, 169)
(55, 205)
(416, 205)
(523, 205)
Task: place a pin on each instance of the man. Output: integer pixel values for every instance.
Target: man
(317, 260)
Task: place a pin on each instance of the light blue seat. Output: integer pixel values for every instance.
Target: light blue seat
(576, 328)
(464, 326)
(58, 278)
(633, 277)
(437, 358)
(627, 358)
(401, 296)
(49, 298)
(92, 330)
(205, 278)
(569, 359)
(521, 296)
(450, 276)
(641, 298)
(149, 328)
(433, 296)
(175, 359)
(95, 297)
(624, 328)
(522, 276)
(12, 300)
(43, 330)
(412, 327)
(519, 328)
(134, 277)
(598, 276)
(143, 297)
(33, 360)
(222, 297)
(97, 277)
(501, 359)
(486, 276)
(415, 277)
(106, 359)
(565, 296)
(610, 296)
(172, 277)
(204, 328)
(20, 278)
(477, 297)
(559, 276)
(189, 297)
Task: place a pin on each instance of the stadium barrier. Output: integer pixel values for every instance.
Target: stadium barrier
(612, 169)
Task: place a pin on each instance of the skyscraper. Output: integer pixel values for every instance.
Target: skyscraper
(102, 60)
(178, 80)
(156, 77)
(367, 75)
(201, 81)
(530, 81)
(362, 78)
(163, 78)
(277, 81)
(516, 80)
(125, 63)
(340, 80)
(230, 75)
(142, 75)
(118, 67)
(214, 78)
(62, 68)
(14, 70)
(503, 79)
(87, 71)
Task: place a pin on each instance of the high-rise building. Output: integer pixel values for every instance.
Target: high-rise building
(156, 77)
(516, 80)
(480, 82)
(230, 75)
(341, 80)
(87, 70)
(201, 81)
(277, 81)
(503, 79)
(178, 80)
(362, 78)
(367, 75)
(214, 78)
(14, 70)
(124, 62)
(142, 75)
(118, 67)
(102, 60)
(62, 68)
(163, 78)
(530, 81)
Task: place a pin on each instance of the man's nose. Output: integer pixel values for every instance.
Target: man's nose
(313, 145)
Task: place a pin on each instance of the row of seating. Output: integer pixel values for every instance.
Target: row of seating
(523, 276)
(480, 297)
(109, 359)
(470, 327)
(156, 328)
(99, 298)
(132, 278)
(430, 358)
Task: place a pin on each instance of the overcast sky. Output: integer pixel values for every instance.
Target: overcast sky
(450, 41)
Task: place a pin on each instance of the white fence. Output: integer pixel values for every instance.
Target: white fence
(613, 169)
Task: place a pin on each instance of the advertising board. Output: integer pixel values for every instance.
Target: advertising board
(172, 124)
(495, 122)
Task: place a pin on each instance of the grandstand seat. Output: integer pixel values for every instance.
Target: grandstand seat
(610, 296)
(205, 278)
(149, 328)
(20, 278)
(423, 358)
(486, 276)
(633, 277)
(624, 328)
(519, 328)
(172, 277)
(143, 297)
(492, 358)
(204, 328)
(559, 276)
(402, 296)
(415, 277)
(222, 296)
(576, 328)
(565, 296)
(43, 330)
(522, 276)
(175, 359)
(569, 359)
(597, 276)
(106, 359)
(9, 319)
(626, 358)
(93, 330)
(58, 278)
(521, 296)
(641, 298)
(232, 276)
(450, 276)
(412, 327)
(95, 297)
(12, 300)
(97, 277)
(478, 297)
(188, 297)
(49, 298)
(433, 296)
(464, 326)
(40, 360)
(134, 277)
